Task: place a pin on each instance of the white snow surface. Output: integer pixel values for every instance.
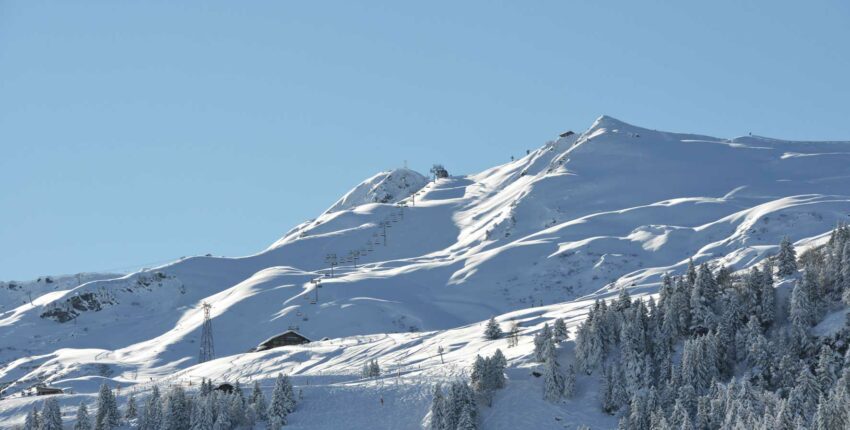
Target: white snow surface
(531, 240)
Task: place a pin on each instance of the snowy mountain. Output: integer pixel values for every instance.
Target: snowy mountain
(420, 265)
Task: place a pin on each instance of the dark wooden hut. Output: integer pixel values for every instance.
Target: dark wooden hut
(287, 338)
(42, 390)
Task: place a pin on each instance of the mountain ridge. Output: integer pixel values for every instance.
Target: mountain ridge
(580, 217)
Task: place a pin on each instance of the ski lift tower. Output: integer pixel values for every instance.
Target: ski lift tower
(384, 226)
(354, 256)
(332, 261)
(317, 283)
(207, 349)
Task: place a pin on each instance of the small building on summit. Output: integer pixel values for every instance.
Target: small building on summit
(567, 133)
(287, 338)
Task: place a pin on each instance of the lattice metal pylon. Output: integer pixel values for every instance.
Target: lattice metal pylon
(207, 348)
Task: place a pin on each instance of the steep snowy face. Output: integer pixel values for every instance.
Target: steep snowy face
(385, 187)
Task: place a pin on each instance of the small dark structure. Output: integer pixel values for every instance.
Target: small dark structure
(567, 133)
(226, 388)
(289, 337)
(439, 171)
(41, 390)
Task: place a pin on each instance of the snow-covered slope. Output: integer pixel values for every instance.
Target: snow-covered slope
(385, 187)
(616, 205)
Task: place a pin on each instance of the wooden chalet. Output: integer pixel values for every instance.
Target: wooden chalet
(287, 338)
(42, 390)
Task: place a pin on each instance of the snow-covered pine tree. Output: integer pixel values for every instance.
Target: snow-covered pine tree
(289, 400)
(703, 295)
(499, 363)
(786, 259)
(492, 330)
(258, 402)
(205, 389)
(467, 400)
(476, 377)
(223, 420)
(540, 340)
(570, 382)
(175, 415)
(278, 408)
(784, 416)
(236, 409)
(682, 301)
(761, 361)
(438, 409)
(107, 417)
(51, 417)
(845, 273)
(767, 296)
(803, 309)
(83, 420)
(131, 411)
(237, 390)
(559, 330)
(826, 369)
(804, 397)
(33, 420)
(466, 420)
(203, 418)
(152, 414)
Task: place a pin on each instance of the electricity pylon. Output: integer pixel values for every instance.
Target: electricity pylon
(207, 349)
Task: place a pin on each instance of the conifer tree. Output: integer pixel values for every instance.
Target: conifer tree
(803, 310)
(559, 330)
(279, 408)
(499, 364)
(223, 420)
(152, 414)
(703, 295)
(682, 301)
(438, 409)
(540, 340)
(570, 382)
(175, 411)
(236, 409)
(767, 296)
(804, 397)
(466, 421)
(131, 411)
(51, 417)
(107, 417)
(786, 259)
(825, 370)
(492, 331)
(553, 379)
(33, 420)
(258, 401)
(83, 420)
(845, 272)
(204, 418)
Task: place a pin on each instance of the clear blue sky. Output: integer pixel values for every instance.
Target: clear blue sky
(137, 132)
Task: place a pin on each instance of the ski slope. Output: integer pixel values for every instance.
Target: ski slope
(540, 237)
